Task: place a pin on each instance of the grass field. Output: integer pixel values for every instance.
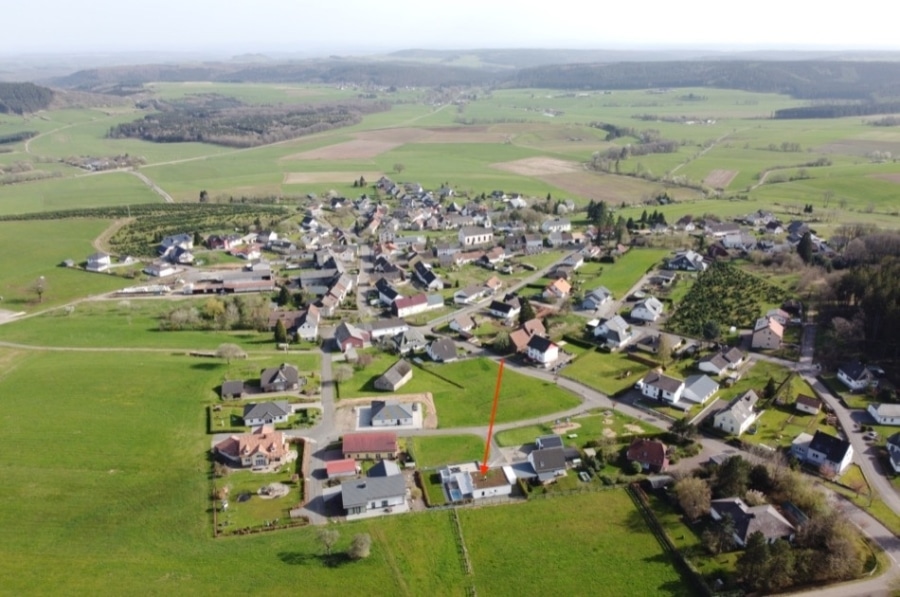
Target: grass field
(600, 533)
(463, 391)
(620, 276)
(440, 450)
(605, 372)
(37, 248)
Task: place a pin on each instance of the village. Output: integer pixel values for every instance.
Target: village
(425, 282)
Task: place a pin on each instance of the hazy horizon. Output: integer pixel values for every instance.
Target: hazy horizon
(52, 27)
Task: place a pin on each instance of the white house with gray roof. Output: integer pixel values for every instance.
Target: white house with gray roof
(614, 332)
(885, 414)
(648, 309)
(267, 413)
(740, 413)
(659, 386)
(390, 413)
(699, 388)
(371, 494)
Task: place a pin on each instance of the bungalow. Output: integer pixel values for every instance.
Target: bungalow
(823, 451)
(747, 520)
(808, 404)
(542, 351)
(396, 376)
(98, 262)
(232, 389)
(767, 334)
(471, 294)
(473, 236)
(463, 323)
(614, 332)
(346, 467)
(442, 350)
(648, 309)
(160, 269)
(558, 289)
(699, 388)
(596, 298)
(267, 413)
(650, 453)
(740, 413)
(885, 414)
(501, 310)
(661, 387)
(279, 379)
(370, 446)
(466, 483)
(263, 447)
(384, 327)
(389, 413)
(855, 376)
(373, 493)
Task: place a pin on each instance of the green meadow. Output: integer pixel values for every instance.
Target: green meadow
(463, 391)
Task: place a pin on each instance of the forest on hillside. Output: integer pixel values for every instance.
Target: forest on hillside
(225, 121)
(23, 98)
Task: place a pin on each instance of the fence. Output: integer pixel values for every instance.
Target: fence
(698, 585)
(461, 543)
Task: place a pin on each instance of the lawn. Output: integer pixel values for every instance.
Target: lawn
(592, 426)
(463, 391)
(440, 450)
(29, 250)
(620, 276)
(125, 323)
(609, 373)
(592, 543)
(116, 485)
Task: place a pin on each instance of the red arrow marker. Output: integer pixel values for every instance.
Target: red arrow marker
(487, 446)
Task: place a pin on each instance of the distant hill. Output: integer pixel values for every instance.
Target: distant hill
(870, 76)
(335, 70)
(800, 79)
(23, 98)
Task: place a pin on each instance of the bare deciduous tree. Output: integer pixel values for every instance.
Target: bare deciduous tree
(328, 538)
(229, 352)
(361, 546)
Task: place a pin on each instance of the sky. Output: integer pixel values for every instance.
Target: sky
(359, 26)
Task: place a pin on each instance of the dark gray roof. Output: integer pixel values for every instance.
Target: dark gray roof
(443, 349)
(267, 409)
(232, 387)
(549, 441)
(388, 410)
(833, 447)
(285, 372)
(765, 519)
(663, 382)
(359, 492)
(501, 307)
(539, 343)
(548, 460)
(855, 371)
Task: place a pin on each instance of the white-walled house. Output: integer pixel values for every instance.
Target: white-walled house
(542, 351)
(740, 413)
(658, 386)
(648, 309)
(823, 451)
(767, 334)
(98, 262)
(855, 376)
(885, 414)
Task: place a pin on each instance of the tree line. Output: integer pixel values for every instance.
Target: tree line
(16, 137)
(838, 110)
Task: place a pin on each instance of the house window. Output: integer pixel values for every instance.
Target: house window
(384, 503)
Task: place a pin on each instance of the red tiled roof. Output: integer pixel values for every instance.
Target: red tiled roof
(340, 467)
(370, 442)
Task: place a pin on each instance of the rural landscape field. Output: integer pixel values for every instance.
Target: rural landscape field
(119, 487)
